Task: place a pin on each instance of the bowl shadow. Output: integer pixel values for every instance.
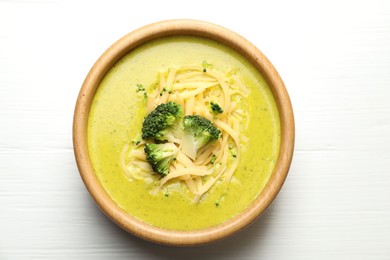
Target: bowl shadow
(246, 240)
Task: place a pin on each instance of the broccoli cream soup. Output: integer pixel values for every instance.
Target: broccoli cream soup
(183, 133)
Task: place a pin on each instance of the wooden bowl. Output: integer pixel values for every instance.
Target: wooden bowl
(88, 90)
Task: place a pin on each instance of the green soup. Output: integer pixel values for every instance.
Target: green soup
(116, 118)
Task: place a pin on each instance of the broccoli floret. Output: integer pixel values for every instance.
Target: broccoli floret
(162, 123)
(198, 131)
(160, 156)
(216, 108)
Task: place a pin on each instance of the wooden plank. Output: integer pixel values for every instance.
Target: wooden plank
(334, 58)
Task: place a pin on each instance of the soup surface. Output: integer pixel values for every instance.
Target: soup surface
(116, 118)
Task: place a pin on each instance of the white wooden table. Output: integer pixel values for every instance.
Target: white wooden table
(335, 60)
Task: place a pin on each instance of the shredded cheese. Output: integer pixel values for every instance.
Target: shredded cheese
(195, 88)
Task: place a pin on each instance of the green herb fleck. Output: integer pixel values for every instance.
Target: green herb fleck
(218, 202)
(136, 141)
(213, 157)
(140, 87)
(216, 108)
(206, 65)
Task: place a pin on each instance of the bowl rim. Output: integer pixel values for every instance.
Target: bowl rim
(80, 122)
